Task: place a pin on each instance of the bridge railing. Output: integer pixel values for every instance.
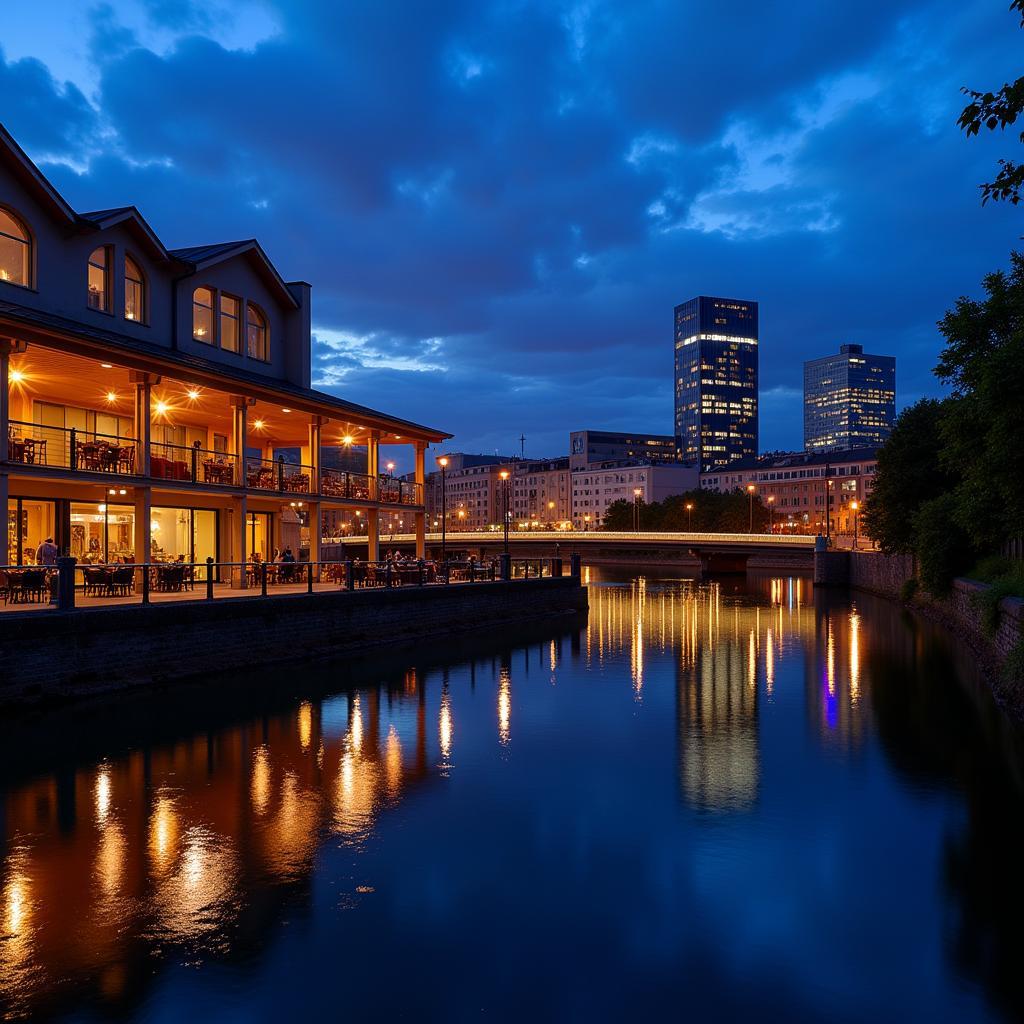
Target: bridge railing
(456, 539)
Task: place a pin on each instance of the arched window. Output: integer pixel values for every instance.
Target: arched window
(202, 315)
(15, 250)
(134, 291)
(257, 333)
(99, 279)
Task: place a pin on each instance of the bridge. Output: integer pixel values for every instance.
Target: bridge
(694, 552)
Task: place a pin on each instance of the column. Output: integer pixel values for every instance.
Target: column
(315, 530)
(239, 541)
(143, 419)
(8, 347)
(373, 462)
(5, 494)
(143, 529)
(315, 432)
(420, 517)
(372, 535)
(239, 432)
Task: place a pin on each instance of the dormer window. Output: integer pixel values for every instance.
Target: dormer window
(99, 279)
(202, 315)
(257, 334)
(15, 250)
(134, 291)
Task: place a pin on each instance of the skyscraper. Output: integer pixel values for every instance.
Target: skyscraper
(716, 380)
(849, 400)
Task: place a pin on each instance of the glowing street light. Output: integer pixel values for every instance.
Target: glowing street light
(750, 492)
(771, 513)
(636, 509)
(504, 504)
(855, 505)
(443, 463)
(689, 516)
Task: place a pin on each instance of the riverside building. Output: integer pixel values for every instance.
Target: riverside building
(148, 395)
(589, 446)
(849, 400)
(716, 381)
(600, 484)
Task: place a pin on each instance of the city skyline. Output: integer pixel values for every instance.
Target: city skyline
(519, 270)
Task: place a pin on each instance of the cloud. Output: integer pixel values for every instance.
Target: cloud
(500, 203)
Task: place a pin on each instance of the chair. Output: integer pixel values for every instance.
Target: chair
(33, 584)
(122, 580)
(126, 459)
(96, 581)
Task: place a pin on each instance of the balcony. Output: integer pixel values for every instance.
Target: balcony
(278, 475)
(194, 464)
(34, 444)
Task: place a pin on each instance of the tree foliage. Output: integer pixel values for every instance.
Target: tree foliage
(713, 512)
(909, 473)
(1000, 110)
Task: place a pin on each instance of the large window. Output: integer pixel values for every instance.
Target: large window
(202, 315)
(230, 314)
(184, 535)
(102, 533)
(134, 291)
(15, 250)
(30, 521)
(258, 334)
(99, 279)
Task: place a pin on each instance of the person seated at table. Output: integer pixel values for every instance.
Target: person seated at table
(46, 553)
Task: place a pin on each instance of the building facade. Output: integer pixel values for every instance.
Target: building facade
(473, 490)
(589, 446)
(148, 396)
(541, 493)
(716, 381)
(795, 486)
(849, 400)
(601, 484)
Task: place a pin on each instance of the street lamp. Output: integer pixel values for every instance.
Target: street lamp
(443, 463)
(689, 517)
(636, 509)
(771, 513)
(586, 522)
(750, 492)
(504, 504)
(856, 507)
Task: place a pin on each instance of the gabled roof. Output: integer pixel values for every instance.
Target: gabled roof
(131, 215)
(33, 177)
(199, 257)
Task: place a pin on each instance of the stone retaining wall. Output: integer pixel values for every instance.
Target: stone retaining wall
(48, 655)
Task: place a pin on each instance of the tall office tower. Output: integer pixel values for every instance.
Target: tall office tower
(716, 380)
(849, 400)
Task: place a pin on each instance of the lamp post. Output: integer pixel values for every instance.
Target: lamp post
(771, 513)
(636, 509)
(856, 508)
(750, 493)
(586, 522)
(504, 504)
(443, 463)
(689, 517)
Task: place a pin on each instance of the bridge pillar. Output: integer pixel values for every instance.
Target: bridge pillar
(575, 566)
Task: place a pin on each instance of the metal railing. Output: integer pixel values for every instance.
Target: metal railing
(336, 483)
(145, 583)
(393, 491)
(71, 448)
(192, 463)
(278, 475)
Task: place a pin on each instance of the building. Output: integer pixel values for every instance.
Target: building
(794, 485)
(599, 485)
(849, 400)
(473, 491)
(541, 493)
(147, 395)
(716, 389)
(589, 446)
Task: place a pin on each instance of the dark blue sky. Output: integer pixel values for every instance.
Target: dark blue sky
(499, 203)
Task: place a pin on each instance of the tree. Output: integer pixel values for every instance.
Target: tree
(713, 512)
(909, 474)
(998, 110)
(982, 425)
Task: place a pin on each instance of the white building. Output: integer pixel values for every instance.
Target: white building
(600, 484)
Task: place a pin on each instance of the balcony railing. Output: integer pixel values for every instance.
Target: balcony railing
(71, 448)
(194, 464)
(335, 483)
(278, 475)
(399, 492)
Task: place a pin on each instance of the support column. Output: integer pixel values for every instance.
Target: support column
(143, 529)
(315, 433)
(5, 494)
(373, 463)
(420, 477)
(372, 534)
(315, 530)
(8, 347)
(143, 419)
(239, 432)
(239, 542)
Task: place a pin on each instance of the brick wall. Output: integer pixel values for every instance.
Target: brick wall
(53, 655)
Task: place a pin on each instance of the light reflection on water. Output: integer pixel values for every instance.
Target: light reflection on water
(737, 701)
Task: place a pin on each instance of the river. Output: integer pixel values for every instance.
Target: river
(730, 800)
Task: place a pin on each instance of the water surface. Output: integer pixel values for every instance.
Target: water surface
(712, 801)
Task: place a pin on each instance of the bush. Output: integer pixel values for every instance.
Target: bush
(908, 590)
(944, 550)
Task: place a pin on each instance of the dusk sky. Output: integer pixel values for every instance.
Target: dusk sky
(498, 204)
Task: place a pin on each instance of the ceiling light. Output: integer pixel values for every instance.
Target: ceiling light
(17, 376)
(193, 394)
(111, 397)
(286, 410)
(258, 424)
(347, 439)
(107, 366)
(161, 408)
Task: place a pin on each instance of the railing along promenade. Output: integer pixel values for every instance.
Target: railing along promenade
(71, 584)
(460, 538)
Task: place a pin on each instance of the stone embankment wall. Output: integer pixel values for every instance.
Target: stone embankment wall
(51, 655)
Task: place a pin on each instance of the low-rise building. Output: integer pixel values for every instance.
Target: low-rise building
(599, 485)
(473, 496)
(590, 446)
(794, 485)
(541, 493)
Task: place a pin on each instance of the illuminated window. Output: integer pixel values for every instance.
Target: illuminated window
(202, 315)
(134, 291)
(257, 334)
(230, 312)
(99, 279)
(15, 250)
